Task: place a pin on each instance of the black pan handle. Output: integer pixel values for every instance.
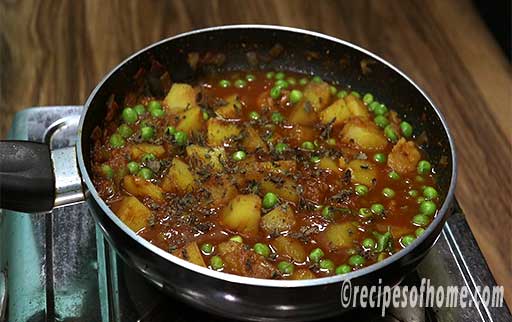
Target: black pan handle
(27, 181)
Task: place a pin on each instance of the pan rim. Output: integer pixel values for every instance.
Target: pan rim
(438, 220)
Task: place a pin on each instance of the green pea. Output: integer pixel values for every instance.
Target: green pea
(224, 83)
(125, 131)
(303, 81)
(419, 232)
(308, 145)
(147, 132)
(139, 109)
(388, 192)
(262, 249)
(154, 105)
(327, 213)
(254, 116)
(145, 173)
(291, 81)
(420, 199)
(240, 83)
(295, 96)
(413, 193)
(430, 193)
(250, 78)
(286, 268)
(216, 263)
(342, 94)
(365, 213)
(423, 167)
(331, 141)
(170, 130)
(239, 155)
(317, 79)
(107, 171)
(180, 138)
(129, 115)
(281, 147)
(333, 90)
(270, 75)
(428, 208)
(275, 92)
(148, 157)
(277, 117)
(281, 83)
(407, 240)
(356, 260)
(380, 158)
(116, 140)
(361, 190)
(206, 116)
(355, 94)
(381, 121)
(377, 208)
(406, 129)
(316, 255)
(368, 243)
(237, 239)
(269, 200)
(280, 75)
(343, 269)
(373, 105)
(390, 133)
(207, 248)
(368, 98)
(157, 113)
(133, 167)
(326, 265)
(419, 179)
(420, 220)
(380, 109)
(393, 175)
(315, 159)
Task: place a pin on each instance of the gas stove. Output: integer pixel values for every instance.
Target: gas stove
(60, 268)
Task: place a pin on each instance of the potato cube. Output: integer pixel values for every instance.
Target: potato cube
(337, 111)
(180, 98)
(286, 189)
(340, 235)
(318, 95)
(363, 172)
(364, 134)
(242, 214)
(220, 132)
(287, 246)
(190, 120)
(252, 141)
(179, 177)
(279, 220)
(140, 187)
(209, 157)
(231, 110)
(190, 253)
(132, 212)
(356, 107)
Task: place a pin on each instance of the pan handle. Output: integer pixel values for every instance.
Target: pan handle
(35, 179)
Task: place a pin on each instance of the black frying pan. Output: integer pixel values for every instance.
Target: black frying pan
(29, 172)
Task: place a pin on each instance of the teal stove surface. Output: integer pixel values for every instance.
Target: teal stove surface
(58, 267)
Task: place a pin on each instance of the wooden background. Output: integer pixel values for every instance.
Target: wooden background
(54, 52)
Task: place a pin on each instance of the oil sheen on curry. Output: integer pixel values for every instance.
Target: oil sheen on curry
(266, 174)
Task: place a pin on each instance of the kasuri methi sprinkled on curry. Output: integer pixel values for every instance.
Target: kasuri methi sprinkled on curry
(268, 175)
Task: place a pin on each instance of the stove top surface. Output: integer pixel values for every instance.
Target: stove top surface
(60, 268)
